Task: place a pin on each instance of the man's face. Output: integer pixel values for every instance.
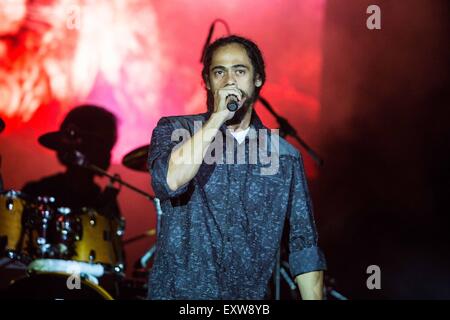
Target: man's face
(230, 65)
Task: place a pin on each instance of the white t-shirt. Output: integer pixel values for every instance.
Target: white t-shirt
(240, 135)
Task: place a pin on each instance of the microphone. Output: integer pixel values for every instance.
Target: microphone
(2, 125)
(232, 103)
(75, 157)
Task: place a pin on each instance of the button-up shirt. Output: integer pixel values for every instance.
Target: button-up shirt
(220, 232)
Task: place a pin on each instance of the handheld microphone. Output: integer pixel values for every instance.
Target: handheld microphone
(232, 103)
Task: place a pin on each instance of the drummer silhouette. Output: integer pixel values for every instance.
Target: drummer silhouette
(85, 226)
(91, 131)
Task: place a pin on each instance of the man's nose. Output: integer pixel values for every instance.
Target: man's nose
(230, 79)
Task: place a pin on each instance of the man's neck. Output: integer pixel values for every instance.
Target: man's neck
(244, 123)
(79, 176)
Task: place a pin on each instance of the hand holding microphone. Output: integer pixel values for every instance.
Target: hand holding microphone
(229, 99)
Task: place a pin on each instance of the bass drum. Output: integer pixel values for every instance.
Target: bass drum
(55, 286)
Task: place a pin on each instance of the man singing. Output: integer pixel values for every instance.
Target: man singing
(223, 218)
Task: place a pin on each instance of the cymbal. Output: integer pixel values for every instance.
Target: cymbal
(137, 159)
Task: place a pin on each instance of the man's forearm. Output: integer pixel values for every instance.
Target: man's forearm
(311, 285)
(185, 161)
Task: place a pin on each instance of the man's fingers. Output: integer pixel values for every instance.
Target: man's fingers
(225, 92)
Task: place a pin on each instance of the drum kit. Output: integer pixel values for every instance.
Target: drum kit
(59, 252)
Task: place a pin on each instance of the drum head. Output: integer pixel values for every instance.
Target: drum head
(55, 286)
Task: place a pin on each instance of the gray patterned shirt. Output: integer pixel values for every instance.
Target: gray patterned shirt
(219, 233)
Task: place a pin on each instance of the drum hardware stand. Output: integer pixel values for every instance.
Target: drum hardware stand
(280, 271)
(329, 289)
(79, 159)
(142, 263)
(146, 234)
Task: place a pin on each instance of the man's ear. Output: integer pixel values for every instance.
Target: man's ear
(208, 87)
(258, 81)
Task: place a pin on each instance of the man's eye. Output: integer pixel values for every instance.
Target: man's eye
(218, 73)
(240, 72)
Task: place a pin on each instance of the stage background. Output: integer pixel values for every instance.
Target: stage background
(372, 103)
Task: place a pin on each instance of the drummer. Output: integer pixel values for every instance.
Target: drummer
(91, 130)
